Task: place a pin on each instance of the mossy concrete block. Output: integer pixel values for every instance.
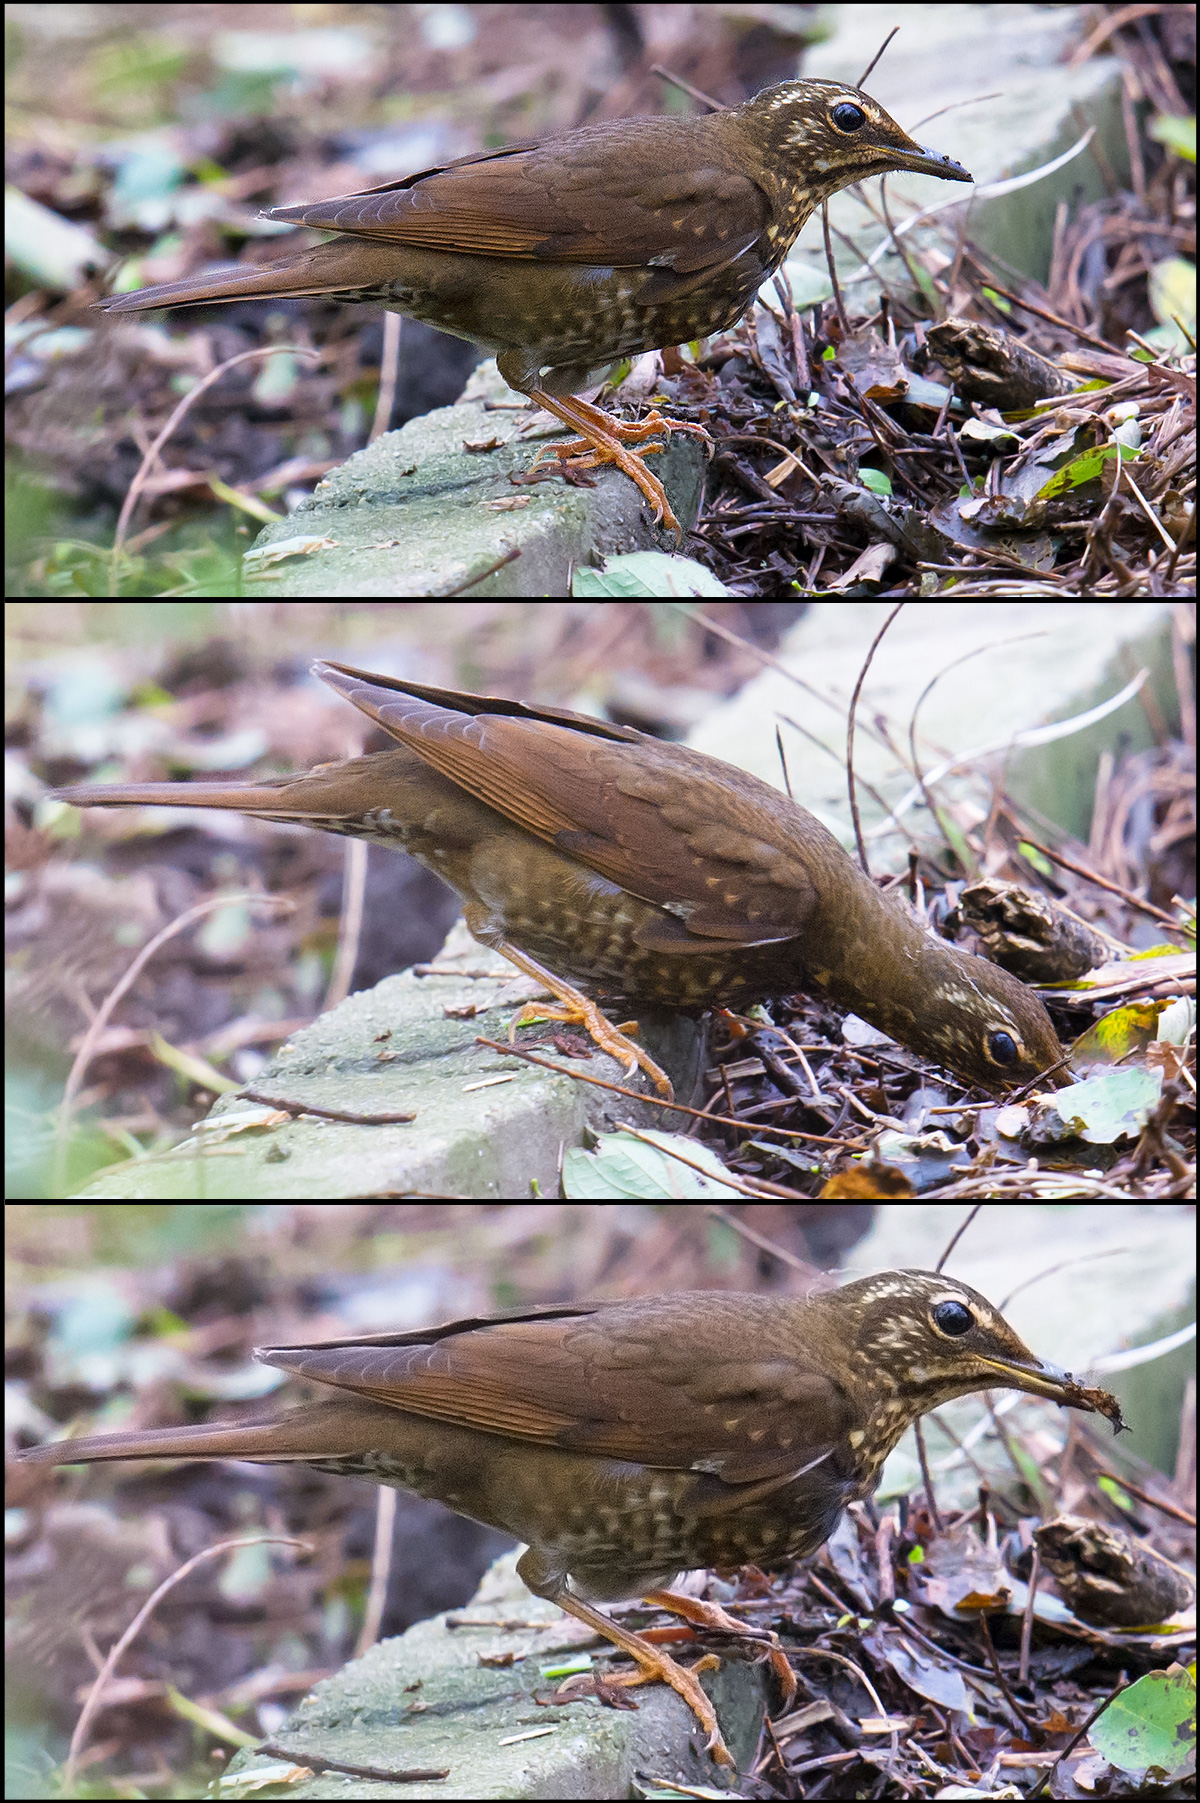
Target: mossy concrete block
(433, 509)
(466, 1694)
(484, 1123)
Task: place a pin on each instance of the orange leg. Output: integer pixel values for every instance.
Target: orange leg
(603, 440)
(578, 1010)
(711, 1615)
(653, 1665)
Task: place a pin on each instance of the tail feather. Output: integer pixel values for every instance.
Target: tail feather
(326, 1430)
(344, 267)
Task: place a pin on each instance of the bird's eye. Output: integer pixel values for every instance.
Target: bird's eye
(848, 117)
(953, 1318)
(1002, 1047)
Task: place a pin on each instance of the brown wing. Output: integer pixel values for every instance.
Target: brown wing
(661, 1381)
(674, 198)
(729, 859)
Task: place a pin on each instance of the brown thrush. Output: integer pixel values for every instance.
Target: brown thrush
(566, 254)
(628, 1441)
(603, 861)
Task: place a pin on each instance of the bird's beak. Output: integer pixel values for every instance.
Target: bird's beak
(1037, 1378)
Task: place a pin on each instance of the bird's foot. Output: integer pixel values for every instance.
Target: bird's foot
(577, 1009)
(652, 1664)
(712, 1616)
(604, 439)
